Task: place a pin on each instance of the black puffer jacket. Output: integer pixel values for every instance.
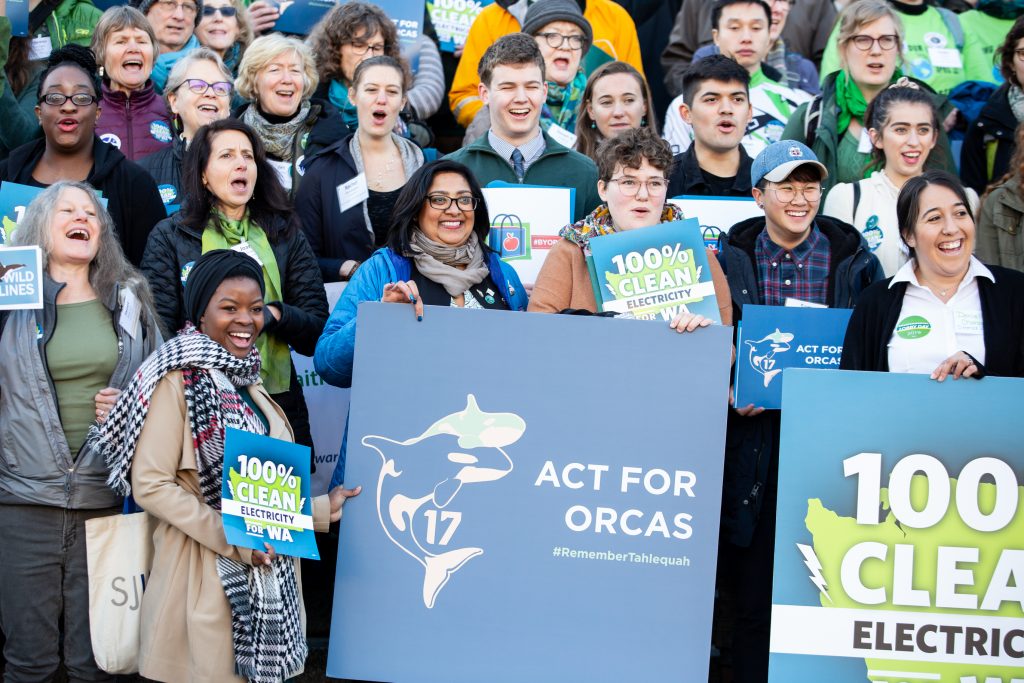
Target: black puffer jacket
(174, 247)
(994, 129)
(752, 443)
(132, 198)
(164, 167)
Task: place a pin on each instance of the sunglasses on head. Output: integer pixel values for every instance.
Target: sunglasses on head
(225, 12)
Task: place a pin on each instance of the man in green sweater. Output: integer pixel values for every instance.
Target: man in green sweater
(515, 149)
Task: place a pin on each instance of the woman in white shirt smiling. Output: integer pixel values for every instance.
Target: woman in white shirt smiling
(944, 312)
(904, 127)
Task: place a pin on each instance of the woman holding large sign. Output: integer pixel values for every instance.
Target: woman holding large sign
(633, 171)
(943, 298)
(211, 611)
(61, 369)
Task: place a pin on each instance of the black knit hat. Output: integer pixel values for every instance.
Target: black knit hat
(145, 5)
(543, 12)
(211, 269)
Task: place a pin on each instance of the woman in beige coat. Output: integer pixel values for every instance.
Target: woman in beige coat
(205, 614)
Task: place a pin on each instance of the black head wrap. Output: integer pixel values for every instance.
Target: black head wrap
(211, 269)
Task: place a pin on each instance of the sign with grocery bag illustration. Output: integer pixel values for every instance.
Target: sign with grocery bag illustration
(266, 494)
(525, 221)
(716, 214)
(653, 273)
(898, 547)
(773, 338)
(488, 518)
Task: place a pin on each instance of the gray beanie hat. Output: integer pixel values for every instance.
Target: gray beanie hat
(145, 5)
(543, 12)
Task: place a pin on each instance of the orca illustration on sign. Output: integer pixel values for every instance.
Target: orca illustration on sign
(421, 476)
(762, 353)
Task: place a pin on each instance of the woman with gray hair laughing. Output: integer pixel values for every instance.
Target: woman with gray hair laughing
(61, 371)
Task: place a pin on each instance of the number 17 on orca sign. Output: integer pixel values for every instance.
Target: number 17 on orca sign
(265, 495)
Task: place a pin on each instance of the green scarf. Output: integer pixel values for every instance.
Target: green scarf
(276, 369)
(850, 99)
(337, 93)
(563, 103)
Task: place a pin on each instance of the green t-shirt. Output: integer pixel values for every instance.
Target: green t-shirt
(930, 53)
(81, 355)
(983, 34)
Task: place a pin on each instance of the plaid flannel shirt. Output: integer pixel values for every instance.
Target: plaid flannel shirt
(801, 273)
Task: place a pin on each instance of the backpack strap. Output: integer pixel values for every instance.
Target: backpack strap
(952, 22)
(811, 119)
(856, 201)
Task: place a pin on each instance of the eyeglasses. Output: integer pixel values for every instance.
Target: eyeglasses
(631, 186)
(79, 99)
(558, 40)
(363, 48)
(788, 193)
(201, 87)
(189, 9)
(226, 12)
(866, 42)
(441, 202)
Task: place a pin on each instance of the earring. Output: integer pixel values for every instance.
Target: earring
(643, 122)
(593, 124)
(760, 206)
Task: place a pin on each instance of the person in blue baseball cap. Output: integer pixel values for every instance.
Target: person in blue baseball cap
(790, 255)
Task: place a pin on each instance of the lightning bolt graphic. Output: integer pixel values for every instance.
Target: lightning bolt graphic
(814, 565)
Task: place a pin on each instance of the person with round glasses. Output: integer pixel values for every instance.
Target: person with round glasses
(790, 253)
(198, 92)
(932, 42)
(564, 36)
(224, 28)
(174, 23)
(633, 170)
(869, 35)
(68, 109)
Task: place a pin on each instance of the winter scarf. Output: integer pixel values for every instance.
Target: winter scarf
(265, 623)
(599, 222)
(437, 262)
(337, 93)
(278, 138)
(563, 103)
(1015, 97)
(277, 367)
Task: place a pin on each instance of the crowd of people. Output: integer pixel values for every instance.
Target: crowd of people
(203, 176)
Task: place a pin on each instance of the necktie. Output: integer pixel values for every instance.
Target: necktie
(518, 164)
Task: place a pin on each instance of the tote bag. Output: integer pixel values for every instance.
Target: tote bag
(120, 553)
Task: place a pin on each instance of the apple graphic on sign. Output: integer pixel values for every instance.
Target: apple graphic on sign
(510, 243)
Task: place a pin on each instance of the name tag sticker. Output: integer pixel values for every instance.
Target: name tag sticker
(246, 249)
(130, 311)
(284, 172)
(353, 192)
(945, 57)
(562, 136)
(864, 144)
(40, 48)
(968, 322)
